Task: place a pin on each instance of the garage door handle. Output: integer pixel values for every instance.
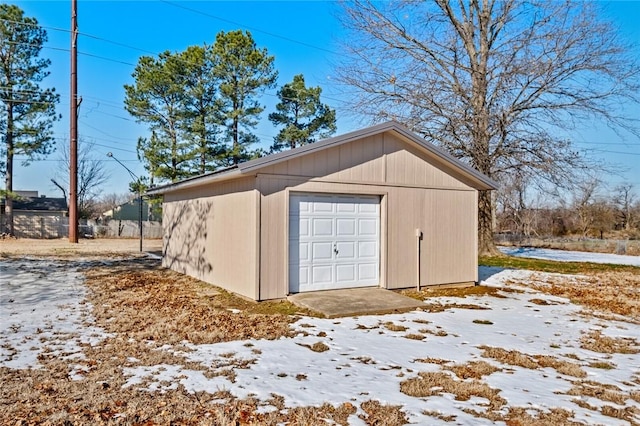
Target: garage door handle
(335, 248)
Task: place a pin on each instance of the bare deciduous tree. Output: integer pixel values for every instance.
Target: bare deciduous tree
(623, 199)
(91, 177)
(583, 200)
(495, 82)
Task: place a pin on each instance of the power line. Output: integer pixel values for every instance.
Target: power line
(258, 30)
(605, 143)
(39, 160)
(105, 133)
(616, 152)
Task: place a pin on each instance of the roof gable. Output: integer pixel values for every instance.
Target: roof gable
(446, 161)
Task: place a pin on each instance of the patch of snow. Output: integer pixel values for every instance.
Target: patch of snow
(570, 256)
(42, 313)
(365, 360)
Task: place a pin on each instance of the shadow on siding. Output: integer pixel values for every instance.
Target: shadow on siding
(185, 235)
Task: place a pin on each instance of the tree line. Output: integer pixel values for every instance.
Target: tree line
(587, 212)
(202, 106)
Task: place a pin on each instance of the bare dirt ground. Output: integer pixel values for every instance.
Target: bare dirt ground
(98, 247)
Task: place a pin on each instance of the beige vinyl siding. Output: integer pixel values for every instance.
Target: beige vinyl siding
(211, 233)
(446, 217)
(382, 158)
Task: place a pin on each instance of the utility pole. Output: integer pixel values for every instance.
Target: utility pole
(73, 130)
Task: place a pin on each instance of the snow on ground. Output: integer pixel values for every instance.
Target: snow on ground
(365, 359)
(42, 310)
(570, 256)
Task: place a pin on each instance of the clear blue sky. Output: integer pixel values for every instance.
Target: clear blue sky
(302, 35)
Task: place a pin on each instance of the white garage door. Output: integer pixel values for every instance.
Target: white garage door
(334, 241)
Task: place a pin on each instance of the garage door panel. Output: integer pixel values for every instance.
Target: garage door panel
(304, 206)
(345, 273)
(298, 227)
(368, 227)
(298, 276)
(367, 271)
(322, 274)
(346, 250)
(299, 253)
(322, 227)
(304, 275)
(324, 206)
(346, 207)
(333, 241)
(321, 251)
(346, 227)
(368, 207)
(367, 250)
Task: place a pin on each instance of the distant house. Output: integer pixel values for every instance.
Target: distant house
(130, 211)
(37, 216)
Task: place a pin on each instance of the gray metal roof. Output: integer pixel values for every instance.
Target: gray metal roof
(40, 204)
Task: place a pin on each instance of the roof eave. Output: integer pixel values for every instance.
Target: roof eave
(195, 182)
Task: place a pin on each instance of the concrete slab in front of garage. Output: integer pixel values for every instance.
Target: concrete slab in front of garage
(355, 301)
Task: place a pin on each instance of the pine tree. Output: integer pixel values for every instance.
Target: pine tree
(303, 117)
(27, 111)
(243, 71)
(157, 98)
(202, 108)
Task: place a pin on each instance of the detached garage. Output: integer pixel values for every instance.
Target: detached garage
(375, 207)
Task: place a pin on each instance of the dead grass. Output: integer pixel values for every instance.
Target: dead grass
(438, 361)
(616, 292)
(377, 414)
(316, 347)
(143, 302)
(440, 416)
(477, 290)
(472, 369)
(601, 391)
(606, 393)
(602, 365)
(524, 416)
(318, 416)
(148, 307)
(441, 307)
(394, 327)
(521, 416)
(533, 361)
(509, 357)
(47, 396)
(145, 307)
(429, 384)
(598, 342)
(414, 336)
(61, 248)
(439, 333)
